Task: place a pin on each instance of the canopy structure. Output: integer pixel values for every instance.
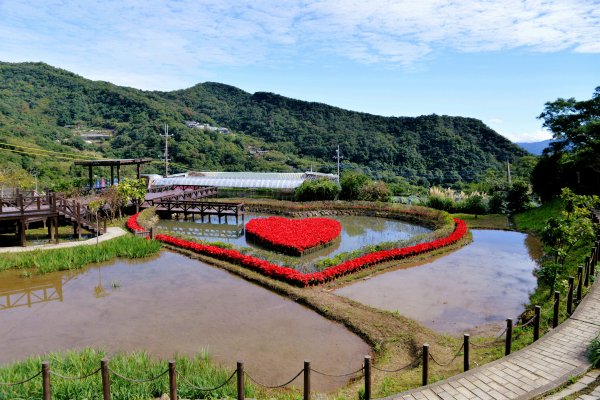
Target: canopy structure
(112, 163)
(248, 180)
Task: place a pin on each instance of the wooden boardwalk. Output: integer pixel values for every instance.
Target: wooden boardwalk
(530, 372)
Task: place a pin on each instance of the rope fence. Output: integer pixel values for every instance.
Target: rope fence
(585, 275)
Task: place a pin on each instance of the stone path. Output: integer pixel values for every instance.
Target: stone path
(588, 380)
(111, 233)
(530, 372)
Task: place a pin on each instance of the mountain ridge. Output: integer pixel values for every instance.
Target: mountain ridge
(291, 134)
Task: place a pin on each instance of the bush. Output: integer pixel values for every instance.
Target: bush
(375, 191)
(440, 203)
(593, 352)
(314, 190)
(518, 197)
(473, 204)
(352, 183)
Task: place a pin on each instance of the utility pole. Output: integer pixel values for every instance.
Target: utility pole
(166, 136)
(508, 172)
(338, 156)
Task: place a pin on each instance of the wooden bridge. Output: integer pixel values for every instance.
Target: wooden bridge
(191, 202)
(19, 211)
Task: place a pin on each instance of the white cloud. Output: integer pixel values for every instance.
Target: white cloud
(196, 34)
(534, 136)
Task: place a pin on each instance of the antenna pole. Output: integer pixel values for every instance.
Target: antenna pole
(508, 172)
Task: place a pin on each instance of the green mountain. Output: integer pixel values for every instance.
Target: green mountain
(56, 110)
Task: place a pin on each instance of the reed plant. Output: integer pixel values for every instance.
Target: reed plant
(44, 261)
(198, 371)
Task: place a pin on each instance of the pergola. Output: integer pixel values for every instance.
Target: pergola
(112, 164)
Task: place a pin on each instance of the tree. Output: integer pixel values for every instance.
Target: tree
(352, 183)
(572, 159)
(562, 234)
(132, 190)
(319, 189)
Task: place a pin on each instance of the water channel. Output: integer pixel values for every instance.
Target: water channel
(476, 287)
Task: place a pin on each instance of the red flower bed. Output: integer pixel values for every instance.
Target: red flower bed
(294, 277)
(292, 236)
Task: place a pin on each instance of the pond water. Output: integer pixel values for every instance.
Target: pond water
(357, 232)
(172, 304)
(477, 286)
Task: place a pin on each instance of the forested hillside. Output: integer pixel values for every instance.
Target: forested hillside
(53, 109)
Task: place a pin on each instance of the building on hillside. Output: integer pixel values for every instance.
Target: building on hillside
(239, 184)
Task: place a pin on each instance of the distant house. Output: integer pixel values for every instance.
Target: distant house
(205, 126)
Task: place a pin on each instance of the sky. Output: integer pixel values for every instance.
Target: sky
(497, 61)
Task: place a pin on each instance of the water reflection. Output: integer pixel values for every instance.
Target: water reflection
(175, 305)
(483, 283)
(357, 232)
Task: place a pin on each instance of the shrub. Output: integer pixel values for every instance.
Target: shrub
(375, 191)
(440, 203)
(473, 204)
(593, 352)
(352, 183)
(314, 190)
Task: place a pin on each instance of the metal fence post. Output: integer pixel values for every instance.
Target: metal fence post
(508, 343)
(425, 364)
(466, 351)
(586, 281)
(556, 309)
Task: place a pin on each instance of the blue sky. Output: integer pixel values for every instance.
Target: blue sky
(498, 61)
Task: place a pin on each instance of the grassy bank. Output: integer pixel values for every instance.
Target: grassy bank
(44, 261)
(198, 371)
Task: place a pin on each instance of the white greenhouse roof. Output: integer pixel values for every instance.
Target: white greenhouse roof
(255, 180)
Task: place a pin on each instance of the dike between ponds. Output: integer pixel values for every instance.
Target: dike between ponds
(532, 371)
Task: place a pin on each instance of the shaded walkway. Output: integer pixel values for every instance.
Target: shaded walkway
(534, 370)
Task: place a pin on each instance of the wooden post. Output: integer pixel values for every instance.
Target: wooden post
(579, 284)
(425, 362)
(46, 393)
(367, 378)
(586, 281)
(306, 380)
(105, 379)
(118, 173)
(78, 211)
(556, 309)
(536, 323)
(593, 262)
(151, 232)
(172, 381)
(22, 229)
(570, 295)
(50, 230)
(240, 380)
(508, 344)
(90, 178)
(112, 175)
(466, 351)
(138, 170)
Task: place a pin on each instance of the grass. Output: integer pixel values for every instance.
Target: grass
(44, 261)
(199, 371)
(535, 219)
(488, 221)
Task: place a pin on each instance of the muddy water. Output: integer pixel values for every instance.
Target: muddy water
(172, 305)
(479, 285)
(357, 232)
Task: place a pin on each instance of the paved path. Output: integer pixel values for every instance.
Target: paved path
(111, 233)
(530, 372)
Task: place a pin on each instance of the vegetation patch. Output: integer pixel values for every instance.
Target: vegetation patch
(193, 372)
(44, 261)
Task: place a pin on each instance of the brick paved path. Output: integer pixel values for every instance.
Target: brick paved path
(534, 370)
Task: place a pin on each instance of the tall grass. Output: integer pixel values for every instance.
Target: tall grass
(199, 371)
(44, 261)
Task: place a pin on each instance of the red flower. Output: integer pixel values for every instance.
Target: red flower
(294, 277)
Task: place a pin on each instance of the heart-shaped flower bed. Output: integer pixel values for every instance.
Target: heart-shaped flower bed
(293, 236)
(298, 278)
